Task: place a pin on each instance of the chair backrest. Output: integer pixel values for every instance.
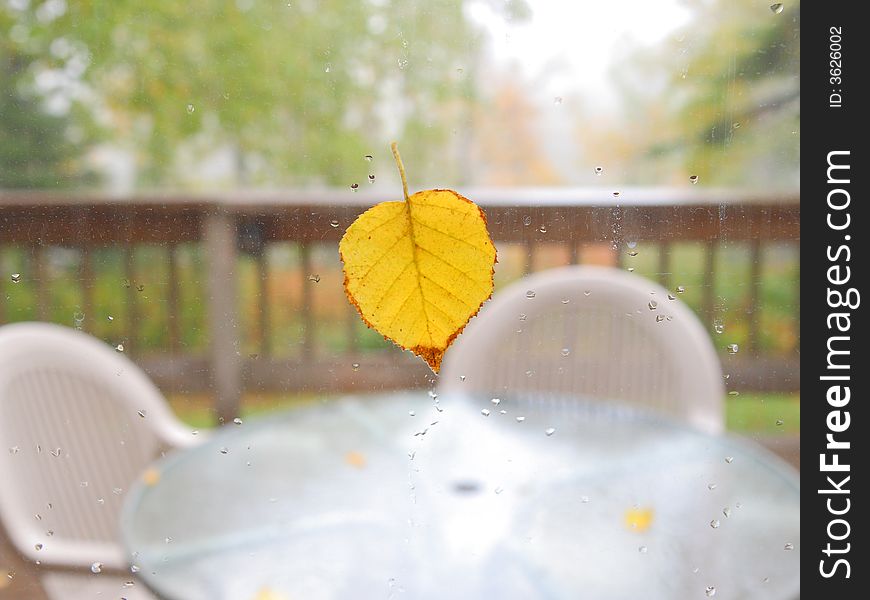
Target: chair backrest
(78, 423)
(593, 331)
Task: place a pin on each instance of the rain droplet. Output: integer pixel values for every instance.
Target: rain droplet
(125, 282)
(327, 67)
(141, 413)
(566, 352)
(16, 277)
(630, 269)
(96, 567)
(729, 459)
(779, 422)
(496, 401)
(633, 253)
(402, 62)
(355, 366)
(616, 194)
(599, 170)
(776, 8)
(134, 568)
(333, 223)
(38, 546)
(527, 220)
(710, 591)
(542, 229)
(314, 278)
(530, 294)
(681, 289)
(693, 179)
(371, 178)
(718, 326)
(550, 431)
(129, 584)
(485, 412)
(566, 300)
(523, 316)
(140, 287)
(714, 523)
(224, 450)
(642, 549)
(237, 421)
(498, 490)
(412, 413)
(587, 292)
(660, 318)
(584, 499)
(119, 347)
(711, 486)
(631, 244)
(653, 305)
(110, 318)
(520, 419)
(733, 348)
(726, 511)
(354, 186)
(191, 109)
(369, 157)
(557, 100)
(462, 378)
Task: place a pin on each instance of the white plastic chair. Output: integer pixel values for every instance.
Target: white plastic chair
(598, 332)
(78, 424)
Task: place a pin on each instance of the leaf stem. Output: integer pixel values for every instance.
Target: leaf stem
(395, 148)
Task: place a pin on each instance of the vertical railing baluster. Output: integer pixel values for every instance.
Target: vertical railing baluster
(708, 291)
(307, 316)
(41, 278)
(131, 314)
(755, 257)
(264, 317)
(173, 318)
(529, 264)
(664, 266)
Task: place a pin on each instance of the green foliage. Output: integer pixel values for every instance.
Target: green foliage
(300, 91)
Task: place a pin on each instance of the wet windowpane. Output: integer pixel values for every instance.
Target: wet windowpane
(174, 183)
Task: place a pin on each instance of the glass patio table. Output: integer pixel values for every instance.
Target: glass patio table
(403, 495)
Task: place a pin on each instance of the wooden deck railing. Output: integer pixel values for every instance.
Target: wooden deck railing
(234, 231)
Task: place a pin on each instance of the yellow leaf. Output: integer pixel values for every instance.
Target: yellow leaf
(418, 270)
(639, 519)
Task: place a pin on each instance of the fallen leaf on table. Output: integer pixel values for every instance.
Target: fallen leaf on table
(418, 270)
(639, 519)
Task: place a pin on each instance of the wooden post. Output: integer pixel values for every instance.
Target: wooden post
(86, 282)
(264, 320)
(226, 366)
(40, 274)
(307, 316)
(754, 293)
(172, 298)
(708, 288)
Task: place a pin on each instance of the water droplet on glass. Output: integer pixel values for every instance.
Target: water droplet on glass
(710, 591)
(191, 109)
(38, 546)
(134, 568)
(110, 318)
(371, 178)
(711, 486)
(315, 278)
(557, 100)
(97, 567)
(633, 253)
(631, 244)
(736, 125)
(462, 378)
(714, 523)
(141, 413)
(327, 67)
(485, 412)
(140, 287)
(584, 499)
(498, 490)
(642, 549)
(566, 352)
(660, 318)
(530, 294)
(653, 305)
(496, 401)
(542, 229)
(779, 422)
(733, 348)
(630, 269)
(599, 170)
(129, 584)
(726, 511)
(671, 297)
(776, 8)
(729, 459)
(224, 450)
(520, 419)
(527, 220)
(402, 62)
(550, 431)
(616, 194)
(412, 413)
(16, 277)
(733, 393)
(49, 533)
(523, 316)
(237, 421)
(369, 157)
(14, 450)
(693, 179)
(587, 292)
(333, 223)
(55, 453)
(355, 366)
(718, 326)
(119, 347)
(354, 186)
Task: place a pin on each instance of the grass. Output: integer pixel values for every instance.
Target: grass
(746, 413)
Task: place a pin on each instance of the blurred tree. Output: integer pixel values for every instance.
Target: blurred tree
(720, 99)
(35, 146)
(298, 90)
